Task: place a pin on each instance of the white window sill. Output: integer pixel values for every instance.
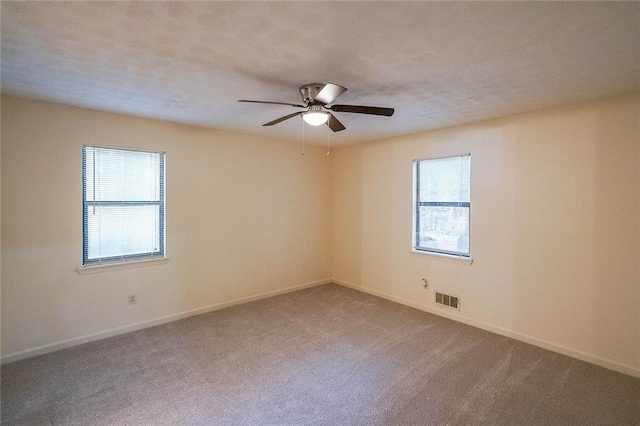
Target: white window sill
(114, 266)
(444, 257)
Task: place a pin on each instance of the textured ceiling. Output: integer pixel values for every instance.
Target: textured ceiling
(437, 64)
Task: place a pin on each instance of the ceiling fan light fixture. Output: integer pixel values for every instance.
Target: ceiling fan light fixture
(315, 118)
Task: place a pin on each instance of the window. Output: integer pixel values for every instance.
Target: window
(123, 205)
(442, 205)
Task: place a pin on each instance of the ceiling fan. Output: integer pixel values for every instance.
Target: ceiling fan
(315, 98)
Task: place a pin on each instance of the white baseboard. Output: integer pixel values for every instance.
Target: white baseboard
(583, 356)
(52, 347)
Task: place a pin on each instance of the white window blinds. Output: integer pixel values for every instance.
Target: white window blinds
(443, 203)
(123, 204)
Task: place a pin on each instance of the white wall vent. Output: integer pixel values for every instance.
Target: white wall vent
(448, 300)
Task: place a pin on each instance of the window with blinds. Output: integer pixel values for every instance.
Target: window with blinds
(123, 205)
(442, 205)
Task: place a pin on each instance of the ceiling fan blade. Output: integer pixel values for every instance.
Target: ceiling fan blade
(286, 117)
(335, 124)
(359, 109)
(271, 103)
(329, 93)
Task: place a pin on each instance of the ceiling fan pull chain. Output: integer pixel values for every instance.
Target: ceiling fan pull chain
(328, 151)
(302, 137)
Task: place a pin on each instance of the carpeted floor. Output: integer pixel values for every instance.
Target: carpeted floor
(322, 356)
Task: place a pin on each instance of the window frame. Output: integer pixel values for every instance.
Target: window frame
(161, 203)
(416, 211)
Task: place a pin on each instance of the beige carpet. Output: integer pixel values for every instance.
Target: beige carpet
(323, 356)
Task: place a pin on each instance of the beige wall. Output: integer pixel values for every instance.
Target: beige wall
(555, 232)
(245, 216)
(555, 227)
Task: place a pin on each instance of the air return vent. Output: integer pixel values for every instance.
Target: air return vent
(448, 300)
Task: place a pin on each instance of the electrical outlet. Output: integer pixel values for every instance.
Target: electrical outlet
(133, 298)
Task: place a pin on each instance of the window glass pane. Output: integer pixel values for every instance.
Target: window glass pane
(122, 230)
(117, 175)
(443, 203)
(123, 212)
(445, 179)
(444, 228)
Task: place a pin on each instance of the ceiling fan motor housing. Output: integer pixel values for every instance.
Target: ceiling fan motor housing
(310, 91)
(315, 108)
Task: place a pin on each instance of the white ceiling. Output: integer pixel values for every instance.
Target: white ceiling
(437, 64)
